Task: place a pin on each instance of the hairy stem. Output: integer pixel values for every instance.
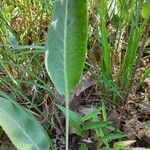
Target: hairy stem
(67, 121)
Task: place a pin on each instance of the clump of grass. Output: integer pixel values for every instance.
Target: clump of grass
(126, 55)
(24, 23)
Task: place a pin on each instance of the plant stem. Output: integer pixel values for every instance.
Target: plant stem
(67, 121)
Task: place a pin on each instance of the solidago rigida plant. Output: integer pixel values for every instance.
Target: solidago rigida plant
(66, 47)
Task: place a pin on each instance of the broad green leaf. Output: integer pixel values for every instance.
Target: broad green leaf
(21, 127)
(66, 44)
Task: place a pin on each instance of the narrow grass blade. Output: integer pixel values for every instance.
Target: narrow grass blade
(126, 69)
(145, 75)
(106, 61)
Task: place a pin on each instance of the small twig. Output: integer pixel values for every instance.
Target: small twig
(140, 54)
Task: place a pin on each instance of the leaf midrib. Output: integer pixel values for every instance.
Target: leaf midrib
(64, 48)
(20, 128)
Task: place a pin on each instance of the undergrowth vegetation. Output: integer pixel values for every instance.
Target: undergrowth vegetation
(86, 62)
